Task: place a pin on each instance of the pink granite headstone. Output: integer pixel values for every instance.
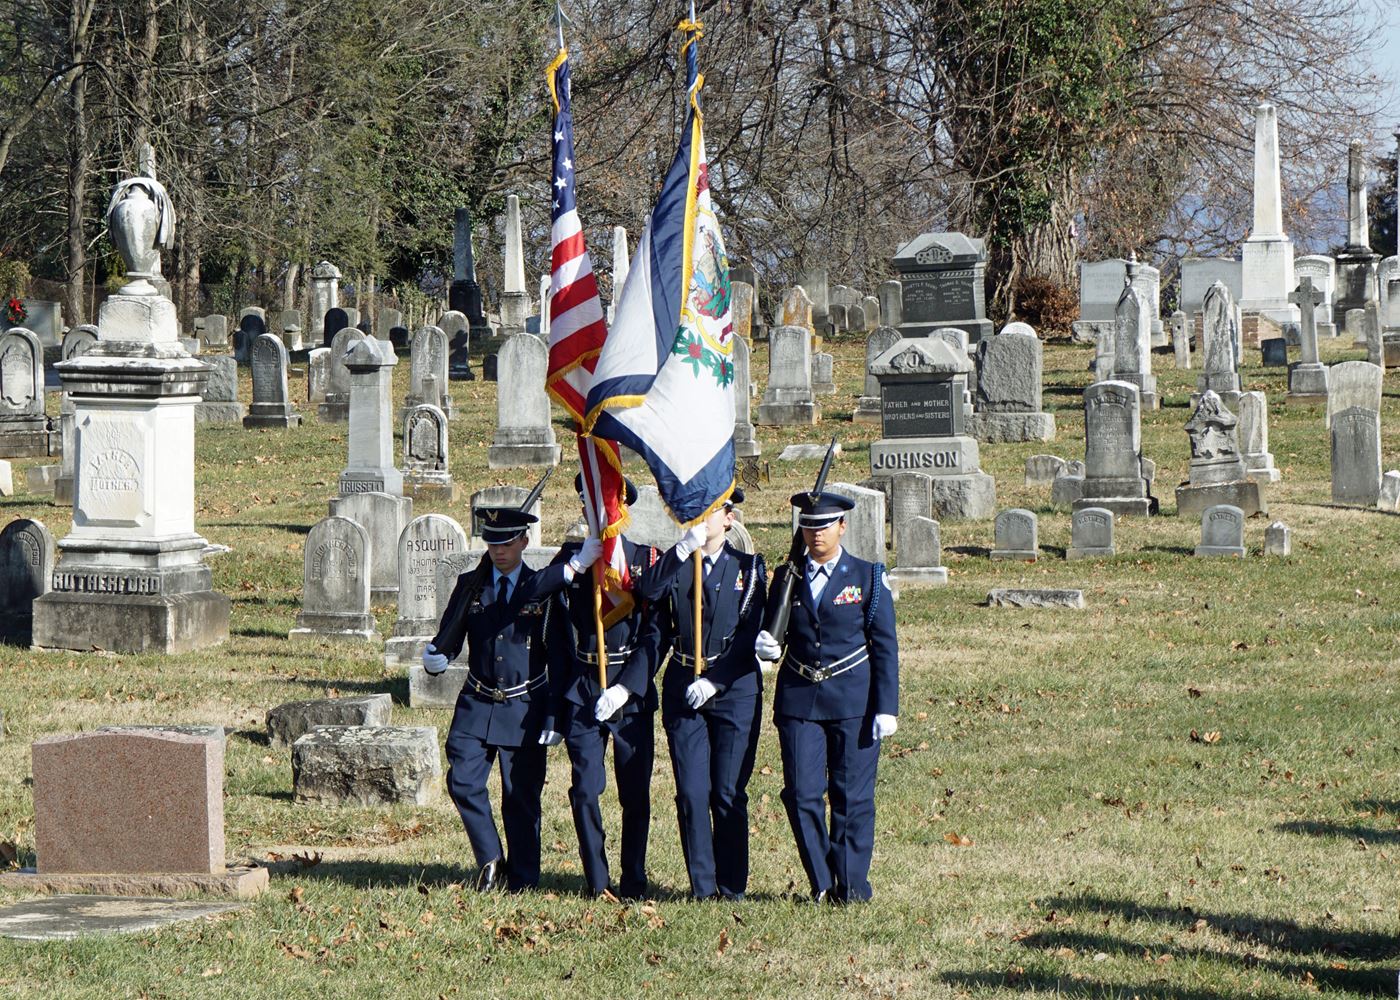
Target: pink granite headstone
(128, 802)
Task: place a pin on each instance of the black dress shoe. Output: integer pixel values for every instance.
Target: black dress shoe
(633, 893)
(488, 878)
(819, 896)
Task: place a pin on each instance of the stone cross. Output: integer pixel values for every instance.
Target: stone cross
(1307, 298)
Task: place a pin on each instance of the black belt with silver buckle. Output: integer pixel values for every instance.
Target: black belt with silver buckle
(500, 695)
(818, 674)
(613, 655)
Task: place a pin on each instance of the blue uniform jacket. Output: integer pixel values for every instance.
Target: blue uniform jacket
(854, 615)
(732, 617)
(572, 631)
(505, 648)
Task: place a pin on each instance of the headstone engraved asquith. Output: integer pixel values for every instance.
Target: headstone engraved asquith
(922, 385)
(424, 544)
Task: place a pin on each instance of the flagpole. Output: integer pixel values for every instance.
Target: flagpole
(699, 600)
(600, 632)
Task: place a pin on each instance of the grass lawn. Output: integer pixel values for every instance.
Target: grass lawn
(1191, 789)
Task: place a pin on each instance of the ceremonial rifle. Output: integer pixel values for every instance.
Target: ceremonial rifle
(777, 622)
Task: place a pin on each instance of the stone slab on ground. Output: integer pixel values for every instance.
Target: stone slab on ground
(367, 765)
(1024, 598)
(1246, 494)
(427, 690)
(289, 722)
(235, 883)
(65, 917)
(805, 452)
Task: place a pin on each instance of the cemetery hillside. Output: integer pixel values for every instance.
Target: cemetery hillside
(560, 500)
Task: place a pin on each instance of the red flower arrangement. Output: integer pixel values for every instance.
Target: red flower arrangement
(15, 313)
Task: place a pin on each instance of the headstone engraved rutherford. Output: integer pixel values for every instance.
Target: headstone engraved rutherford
(922, 385)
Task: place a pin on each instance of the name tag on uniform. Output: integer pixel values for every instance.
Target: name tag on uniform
(851, 595)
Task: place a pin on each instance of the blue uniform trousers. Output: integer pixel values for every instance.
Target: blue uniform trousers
(712, 756)
(634, 749)
(469, 761)
(836, 758)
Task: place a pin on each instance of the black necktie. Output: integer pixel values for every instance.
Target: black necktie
(503, 589)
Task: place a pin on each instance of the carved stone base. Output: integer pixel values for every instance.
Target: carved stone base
(130, 623)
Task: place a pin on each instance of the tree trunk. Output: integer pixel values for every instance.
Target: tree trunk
(79, 163)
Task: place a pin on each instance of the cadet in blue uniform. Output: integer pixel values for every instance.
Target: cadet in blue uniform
(504, 712)
(837, 697)
(711, 722)
(589, 716)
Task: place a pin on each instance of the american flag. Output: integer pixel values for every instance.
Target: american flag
(577, 330)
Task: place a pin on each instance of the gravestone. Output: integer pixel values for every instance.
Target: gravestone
(1390, 492)
(515, 297)
(745, 439)
(1321, 271)
(367, 766)
(318, 374)
(335, 582)
(489, 367)
(922, 389)
(76, 343)
(290, 321)
(252, 323)
(335, 407)
(1357, 263)
(855, 317)
(1091, 534)
(456, 327)
(1068, 485)
(441, 690)
(814, 285)
(943, 282)
(1222, 531)
(910, 497)
(131, 576)
(1181, 340)
(1042, 470)
(1217, 467)
(387, 321)
(384, 517)
(1267, 255)
(1132, 346)
(464, 294)
(741, 308)
(216, 333)
(1356, 456)
(891, 297)
(1307, 379)
(272, 405)
(26, 563)
(45, 320)
(1353, 383)
(1009, 404)
(325, 296)
(428, 358)
(502, 496)
(425, 472)
(1101, 285)
(1273, 352)
(1016, 536)
(370, 465)
(1252, 409)
(424, 544)
(290, 721)
(129, 802)
(1199, 273)
(868, 409)
(788, 399)
(218, 403)
(1277, 540)
(870, 307)
(1113, 464)
(1375, 346)
(823, 375)
(865, 525)
(651, 523)
(1354, 326)
(524, 434)
(920, 556)
(337, 319)
(24, 430)
(1220, 344)
(796, 309)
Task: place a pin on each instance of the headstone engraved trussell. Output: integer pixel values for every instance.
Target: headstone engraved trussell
(370, 437)
(425, 542)
(272, 405)
(335, 582)
(943, 283)
(922, 385)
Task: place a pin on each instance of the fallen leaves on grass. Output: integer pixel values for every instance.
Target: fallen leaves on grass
(1211, 737)
(723, 945)
(957, 839)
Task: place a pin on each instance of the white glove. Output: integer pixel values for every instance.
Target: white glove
(884, 725)
(695, 536)
(610, 701)
(433, 661)
(699, 692)
(549, 738)
(587, 554)
(767, 647)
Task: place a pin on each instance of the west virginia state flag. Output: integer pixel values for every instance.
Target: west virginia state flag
(664, 382)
